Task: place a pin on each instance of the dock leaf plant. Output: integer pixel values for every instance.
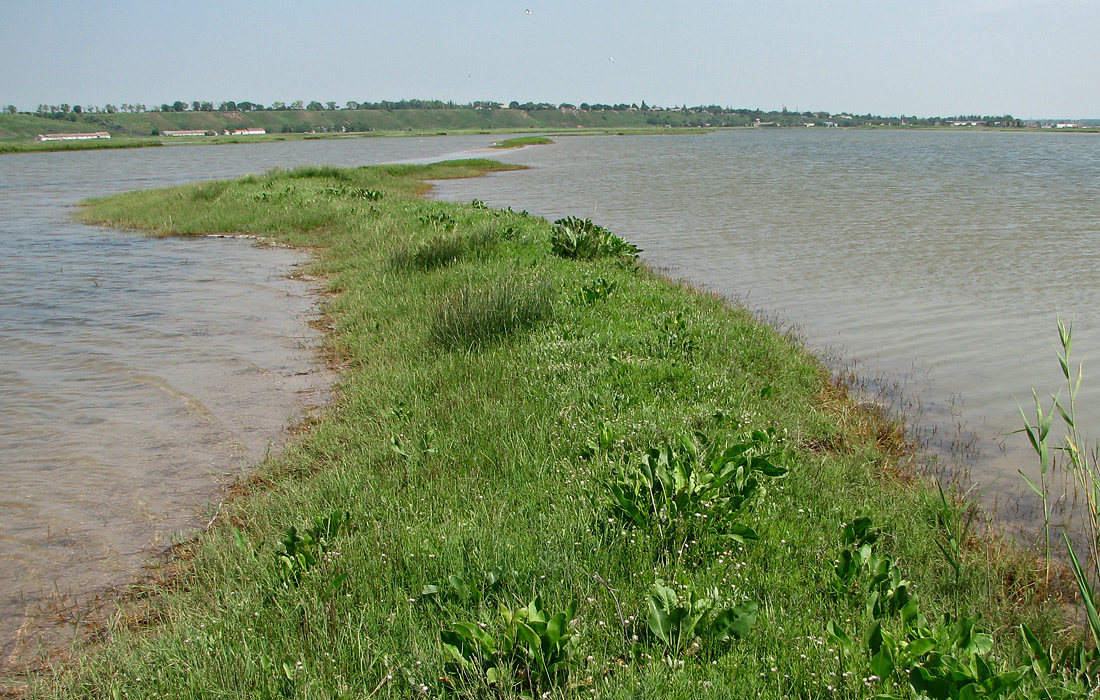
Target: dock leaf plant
(581, 239)
(679, 490)
(301, 550)
(681, 619)
(527, 647)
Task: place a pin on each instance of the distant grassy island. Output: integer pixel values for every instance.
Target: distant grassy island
(203, 122)
(521, 141)
(551, 472)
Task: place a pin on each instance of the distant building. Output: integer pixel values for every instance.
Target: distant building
(1067, 125)
(250, 131)
(72, 137)
(186, 132)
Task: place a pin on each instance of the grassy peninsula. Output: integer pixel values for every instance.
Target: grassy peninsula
(551, 472)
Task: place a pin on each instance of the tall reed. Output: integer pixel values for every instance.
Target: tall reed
(1081, 467)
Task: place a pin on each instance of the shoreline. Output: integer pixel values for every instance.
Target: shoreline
(16, 146)
(51, 615)
(659, 334)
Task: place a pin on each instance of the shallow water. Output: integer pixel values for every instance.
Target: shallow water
(138, 374)
(936, 261)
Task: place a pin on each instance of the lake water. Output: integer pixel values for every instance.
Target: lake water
(138, 374)
(937, 260)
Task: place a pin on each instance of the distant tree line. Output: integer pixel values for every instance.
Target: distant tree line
(700, 115)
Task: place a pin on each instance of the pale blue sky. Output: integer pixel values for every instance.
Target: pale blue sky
(1030, 58)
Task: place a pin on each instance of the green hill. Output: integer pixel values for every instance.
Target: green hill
(27, 126)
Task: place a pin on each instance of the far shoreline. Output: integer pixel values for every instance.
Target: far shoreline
(14, 146)
(30, 146)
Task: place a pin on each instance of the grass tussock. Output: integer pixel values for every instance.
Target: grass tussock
(443, 250)
(316, 171)
(479, 315)
(429, 255)
(209, 191)
(630, 489)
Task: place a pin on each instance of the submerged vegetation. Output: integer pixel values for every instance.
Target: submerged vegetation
(552, 473)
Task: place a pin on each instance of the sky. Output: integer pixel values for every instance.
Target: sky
(1028, 58)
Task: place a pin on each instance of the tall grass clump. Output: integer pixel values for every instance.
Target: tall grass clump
(441, 251)
(209, 191)
(478, 316)
(315, 171)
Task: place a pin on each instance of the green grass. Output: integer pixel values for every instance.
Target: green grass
(477, 468)
(521, 141)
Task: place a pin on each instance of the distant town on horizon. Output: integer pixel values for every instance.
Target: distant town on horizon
(724, 116)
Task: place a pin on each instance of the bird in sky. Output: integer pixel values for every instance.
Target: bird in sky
(611, 59)
(526, 12)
